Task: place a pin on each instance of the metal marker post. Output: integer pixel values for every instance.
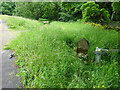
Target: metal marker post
(98, 53)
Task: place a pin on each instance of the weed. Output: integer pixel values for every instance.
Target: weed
(46, 59)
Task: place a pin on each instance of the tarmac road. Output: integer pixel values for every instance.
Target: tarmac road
(8, 78)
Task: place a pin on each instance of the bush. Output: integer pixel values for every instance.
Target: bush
(8, 8)
(35, 10)
(70, 11)
(91, 12)
(41, 19)
(109, 27)
(64, 16)
(116, 9)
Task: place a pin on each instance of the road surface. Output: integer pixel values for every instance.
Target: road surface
(8, 78)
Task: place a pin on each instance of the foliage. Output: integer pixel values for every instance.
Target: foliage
(47, 61)
(91, 12)
(100, 12)
(116, 6)
(8, 8)
(41, 19)
(109, 27)
(106, 5)
(51, 11)
(70, 11)
(36, 10)
(95, 25)
(69, 5)
(104, 15)
(31, 10)
(116, 9)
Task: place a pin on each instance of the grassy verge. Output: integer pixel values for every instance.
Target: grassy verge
(19, 23)
(46, 57)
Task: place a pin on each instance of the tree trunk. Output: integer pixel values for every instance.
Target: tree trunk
(112, 15)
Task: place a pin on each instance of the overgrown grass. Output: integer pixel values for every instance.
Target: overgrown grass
(46, 57)
(19, 23)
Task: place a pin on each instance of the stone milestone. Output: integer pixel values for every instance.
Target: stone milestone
(82, 48)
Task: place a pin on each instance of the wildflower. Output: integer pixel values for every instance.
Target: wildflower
(98, 86)
(94, 87)
(102, 85)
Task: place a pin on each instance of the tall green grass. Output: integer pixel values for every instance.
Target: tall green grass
(47, 58)
(19, 23)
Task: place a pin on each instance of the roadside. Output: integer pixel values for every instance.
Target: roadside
(8, 70)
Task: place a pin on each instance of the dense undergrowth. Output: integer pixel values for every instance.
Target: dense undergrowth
(47, 59)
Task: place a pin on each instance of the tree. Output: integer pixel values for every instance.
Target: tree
(8, 8)
(70, 11)
(92, 13)
(106, 5)
(116, 11)
(37, 10)
(51, 11)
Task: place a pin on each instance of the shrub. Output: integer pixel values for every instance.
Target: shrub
(91, 12)
(70, 11)
(116, 9)
(7, 8)
(42, 19)
(109, 27)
